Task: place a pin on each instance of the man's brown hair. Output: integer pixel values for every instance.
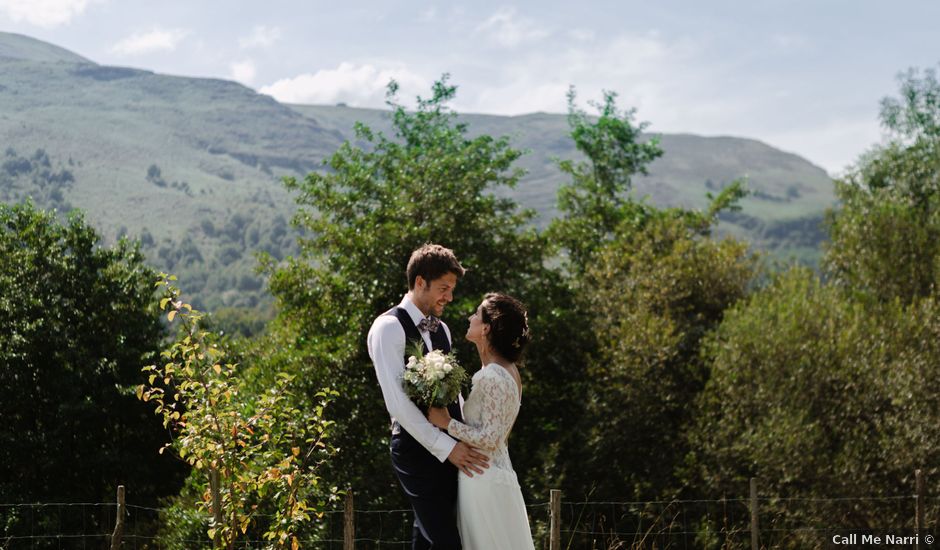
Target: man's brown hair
(432, 261)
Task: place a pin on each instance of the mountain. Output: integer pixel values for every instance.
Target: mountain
(785, 187)
(192, 166)
(18, 46)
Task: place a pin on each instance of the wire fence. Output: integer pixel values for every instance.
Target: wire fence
(726, 523)
(589, 525)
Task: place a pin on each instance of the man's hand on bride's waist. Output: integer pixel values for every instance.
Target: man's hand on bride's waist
(467, 459)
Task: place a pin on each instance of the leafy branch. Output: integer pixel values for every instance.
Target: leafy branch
(257, 448)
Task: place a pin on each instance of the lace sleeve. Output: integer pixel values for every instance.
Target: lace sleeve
(497, 405)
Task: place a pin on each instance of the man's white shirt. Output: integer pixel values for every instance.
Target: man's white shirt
(386, 342)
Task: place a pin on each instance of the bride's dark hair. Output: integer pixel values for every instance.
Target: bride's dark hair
(509, 325)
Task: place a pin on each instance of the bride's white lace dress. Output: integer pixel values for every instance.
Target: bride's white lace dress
(491, 512)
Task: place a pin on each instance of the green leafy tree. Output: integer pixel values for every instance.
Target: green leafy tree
(882, 244)
(596, 202)
(363, 215)
(649, 283)
(885, 237)
(653, 295)
(76, 323)
(815, 387)
(254, 451)
(816, 392)
(916, 114)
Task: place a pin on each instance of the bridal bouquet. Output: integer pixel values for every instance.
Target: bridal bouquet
(433, 379)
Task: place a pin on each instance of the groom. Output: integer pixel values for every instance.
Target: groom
(425, 458)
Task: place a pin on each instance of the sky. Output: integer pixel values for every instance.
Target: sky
(803, 76)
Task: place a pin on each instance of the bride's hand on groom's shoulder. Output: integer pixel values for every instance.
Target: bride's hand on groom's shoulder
(439, 417)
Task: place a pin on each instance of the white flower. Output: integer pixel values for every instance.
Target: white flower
(432, 371)
(430, 377)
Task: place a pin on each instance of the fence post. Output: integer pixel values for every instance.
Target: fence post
(755, 537)
(919, 505)
(216, 505)
(119, 520)
(349, 529)
(555, 517)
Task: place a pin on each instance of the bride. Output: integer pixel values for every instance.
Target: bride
(491, 512)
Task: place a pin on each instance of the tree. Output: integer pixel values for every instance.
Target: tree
(885, 238)
(814, 391)
(815, 384)
(255, 453)
(650, 284)
(653, 294)
(363, 215)
(595, 203)
(916, 115)
(76, 323)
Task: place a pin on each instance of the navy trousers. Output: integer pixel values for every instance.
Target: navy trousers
(431, 486)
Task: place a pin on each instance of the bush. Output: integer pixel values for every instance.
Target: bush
(815, 392)
(652, 296)
(76, 323)
(255, 449)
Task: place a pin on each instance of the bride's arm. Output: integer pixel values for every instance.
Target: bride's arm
(496, 417)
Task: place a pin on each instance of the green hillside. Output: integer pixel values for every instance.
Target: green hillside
(786, 189)
(18, 46)
(192, 166)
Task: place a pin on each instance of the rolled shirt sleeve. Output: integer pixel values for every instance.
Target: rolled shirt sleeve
(386, 343)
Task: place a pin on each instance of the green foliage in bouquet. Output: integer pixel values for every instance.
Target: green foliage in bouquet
(433, 379)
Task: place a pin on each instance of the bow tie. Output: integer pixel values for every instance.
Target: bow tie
(429, 324)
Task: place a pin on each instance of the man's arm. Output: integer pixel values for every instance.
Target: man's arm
(387, 349)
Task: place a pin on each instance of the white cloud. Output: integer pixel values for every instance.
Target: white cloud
(581, 35)
(832, 144)
(260, 37)
(44, 13)
(522, 96)
(789, 42)
(157, 40)
(244, 71)
(428, 15)
(505, 28)
(678, 85)
(356, 85)
(645, 69)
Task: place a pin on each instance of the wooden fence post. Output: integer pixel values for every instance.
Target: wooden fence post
(555, 517)
(349, 527)
(216, 505)
(755, 537)
(919, 505)
(119, 521)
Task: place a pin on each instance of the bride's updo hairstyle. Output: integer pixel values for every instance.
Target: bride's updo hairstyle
(509, 325)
